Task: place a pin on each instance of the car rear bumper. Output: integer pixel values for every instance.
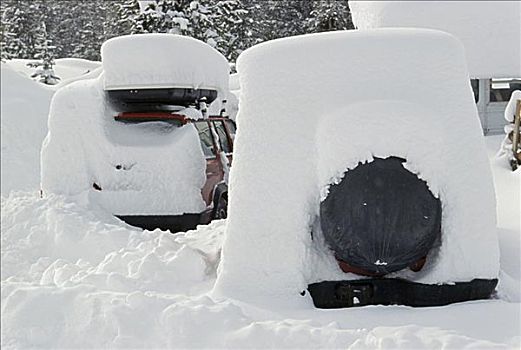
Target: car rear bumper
(174, 223)
(392, 291)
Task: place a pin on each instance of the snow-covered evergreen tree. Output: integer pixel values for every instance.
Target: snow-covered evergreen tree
(230, 35)
(272, 19)
(217, 23)
(79, 27)
(328, 15)
(18, 29)
(120, 18)
(89, 24)
(44, 71)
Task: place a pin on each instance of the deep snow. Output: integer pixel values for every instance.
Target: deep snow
(488, 29)
(24, 111)
(74, 276)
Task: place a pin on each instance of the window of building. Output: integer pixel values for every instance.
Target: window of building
(501, 89)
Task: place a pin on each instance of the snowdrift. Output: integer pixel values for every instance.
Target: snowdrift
(379, 93)
(489, 30)
(24, 109)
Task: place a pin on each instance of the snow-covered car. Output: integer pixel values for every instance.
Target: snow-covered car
(148, 140)
(378, 189)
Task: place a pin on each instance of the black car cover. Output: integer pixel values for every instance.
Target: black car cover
(381, 217)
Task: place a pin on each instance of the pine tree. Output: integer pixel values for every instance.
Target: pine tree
(120, 18)
(229, 30)
(89, 35)
(18, 34)
(44, 71)
(328, 15)
(218, 23)
(273, 19)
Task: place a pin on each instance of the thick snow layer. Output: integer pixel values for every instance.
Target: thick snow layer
(74, 276)
(163, 60)
(24, 110)
(304, 120)
(148, 168)
(489, 30)
(67, 69)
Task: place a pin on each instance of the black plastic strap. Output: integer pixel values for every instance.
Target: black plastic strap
(387, 291)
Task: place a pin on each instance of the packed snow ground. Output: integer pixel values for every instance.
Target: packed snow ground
(74, 276)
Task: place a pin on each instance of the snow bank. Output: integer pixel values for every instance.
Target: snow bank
(163, 60)
(24, 110)
(489, 30)
(67, 69)
(379, 93)
(149, 168)
(73, 276)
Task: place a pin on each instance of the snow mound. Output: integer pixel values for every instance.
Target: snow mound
(73, 277)
(67, 69)
(489, 30)
(64, 261)
(148, 168)
(380, 93)
(24, 109)
(163, 61)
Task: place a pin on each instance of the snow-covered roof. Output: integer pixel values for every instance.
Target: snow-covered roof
(489, 30)
(163, 60)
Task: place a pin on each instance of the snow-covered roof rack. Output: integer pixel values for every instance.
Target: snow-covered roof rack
(163, 60)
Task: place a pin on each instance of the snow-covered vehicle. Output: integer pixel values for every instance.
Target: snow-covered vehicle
(384, 197)
(149, 140)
